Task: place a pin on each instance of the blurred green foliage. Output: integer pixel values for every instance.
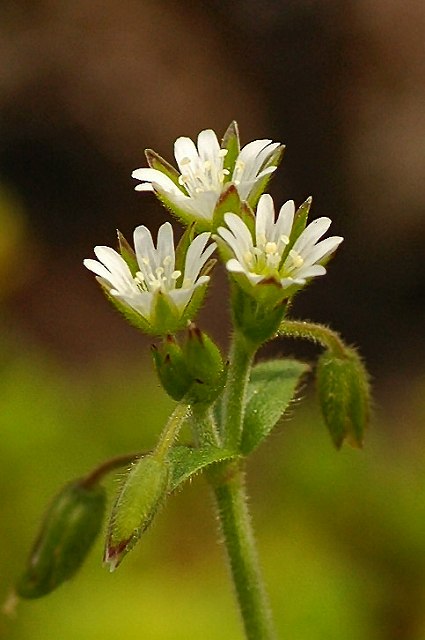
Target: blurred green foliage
(341, 535)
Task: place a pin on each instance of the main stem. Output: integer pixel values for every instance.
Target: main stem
(241, 357)
(240, 543)
(229, 488)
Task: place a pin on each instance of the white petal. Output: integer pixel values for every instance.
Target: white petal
(208, 146)
(157, 178)
(311, 234)
(195, 259)
(184, 148)
(233, 243)
(234, 266)
(165, 244)
(321, 250)
(266, 172)
(146, 186)
(97, 268)
(239, 230)
(145, 251)
(285, 220)
(114, 262)
(181, 297)
(311, 271)
(264, 221)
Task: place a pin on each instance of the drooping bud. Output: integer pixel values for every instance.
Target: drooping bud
(70, 527)
(344, 396)
(205, 365)
(142, 493)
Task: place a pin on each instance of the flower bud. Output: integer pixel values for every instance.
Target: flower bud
(69, 529)
(171, 368)
(205, 365)
(344, 396)
(142, 493)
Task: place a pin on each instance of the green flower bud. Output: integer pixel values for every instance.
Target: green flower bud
(344, 396)
(205, 365)
(69, 529)
(142, 493)
(171, 368)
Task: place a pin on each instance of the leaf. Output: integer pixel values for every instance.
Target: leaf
(186, 462)
(270, 390)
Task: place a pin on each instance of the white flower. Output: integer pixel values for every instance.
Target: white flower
(263, 258)
(196, 190)
(156, 272)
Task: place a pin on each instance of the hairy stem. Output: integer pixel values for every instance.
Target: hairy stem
(318, 333)
(241, 357)
(237, 530)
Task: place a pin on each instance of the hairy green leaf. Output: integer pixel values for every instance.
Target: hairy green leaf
(271, 389)
(187, 462)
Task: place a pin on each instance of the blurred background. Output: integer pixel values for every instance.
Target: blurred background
(85, 87)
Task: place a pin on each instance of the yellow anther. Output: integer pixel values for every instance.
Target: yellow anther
(296, 259)
(271, 247)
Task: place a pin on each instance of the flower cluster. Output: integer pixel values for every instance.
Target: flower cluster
(269, 259)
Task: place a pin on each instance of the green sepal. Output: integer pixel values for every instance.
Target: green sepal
(231, 142)
(195, 301)
(142, 493)
(261, 185)
(156, 162)
(68, 532)
(300, 223)
(186, 462)
(344, 396)
(182, 247)
(228, 202)
(272, 387)
(128, 254)
(171, 368)
(134, 318)
(257, 318)
(186, 217)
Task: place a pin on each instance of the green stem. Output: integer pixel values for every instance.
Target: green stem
(171, 430)
(96, 475)
(204, 426)
(313, 332)
(239, 538)
(241, 357)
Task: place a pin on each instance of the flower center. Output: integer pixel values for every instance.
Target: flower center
(201, 176)
(265, 258)
(160, 278)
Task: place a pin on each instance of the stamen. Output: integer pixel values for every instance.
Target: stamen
(284, 239)
(223, 152)
(175, 275)
(270, 248)
(296, 259)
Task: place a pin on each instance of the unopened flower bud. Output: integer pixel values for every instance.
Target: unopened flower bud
(70, 527)
(205, 365)
(171, 368)
(344, 396)
(142, 493)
